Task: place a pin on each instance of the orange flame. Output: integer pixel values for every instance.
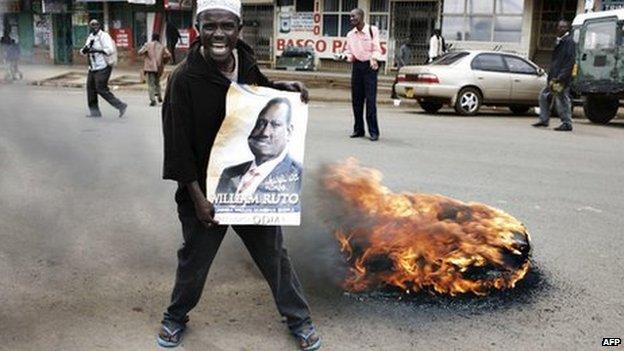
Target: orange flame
(426, 242)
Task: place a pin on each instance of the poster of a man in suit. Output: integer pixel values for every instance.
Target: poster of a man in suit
(264, 187)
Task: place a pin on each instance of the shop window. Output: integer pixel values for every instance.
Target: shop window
(336, 17)
(454, 6)
(345, 25)
(331, 5)
(381, 22)
(304, 6)
(508, 29)
(483, 20)
(551, 13)
(330, 25)
(509, 7)
(348, 5)
(379, 16)
(479, 29)
(480, 6)
(181, 19)
(379, 6)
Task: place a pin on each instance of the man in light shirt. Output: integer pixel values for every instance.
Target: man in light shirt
(364, 51)
(100, 50)
(437, 45)
(272, 170)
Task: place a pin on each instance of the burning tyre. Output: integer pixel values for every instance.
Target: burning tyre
(422, 242)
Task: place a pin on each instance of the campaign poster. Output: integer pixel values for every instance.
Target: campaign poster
(256, 163)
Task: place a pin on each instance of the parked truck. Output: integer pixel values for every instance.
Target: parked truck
(599, 70)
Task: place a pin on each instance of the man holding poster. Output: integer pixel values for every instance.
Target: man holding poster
(193, 113)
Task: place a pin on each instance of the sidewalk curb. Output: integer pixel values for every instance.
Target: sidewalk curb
(331, 84)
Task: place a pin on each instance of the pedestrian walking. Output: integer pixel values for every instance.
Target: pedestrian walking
(102, 54)
(192, 113)
(173, 36)
(155, 56)
(402, 58)
(12, 57)
(437, 45)
(557, 91)
(363, 50)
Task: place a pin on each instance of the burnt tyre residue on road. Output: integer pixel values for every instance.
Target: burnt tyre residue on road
(533, 287)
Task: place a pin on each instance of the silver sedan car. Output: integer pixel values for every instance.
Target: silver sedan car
(468, 80)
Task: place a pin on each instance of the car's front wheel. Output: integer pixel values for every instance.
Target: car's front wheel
(468, 101)
(600, 109)
(430, 106)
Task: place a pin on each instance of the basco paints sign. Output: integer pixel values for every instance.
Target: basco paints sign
(324, 47)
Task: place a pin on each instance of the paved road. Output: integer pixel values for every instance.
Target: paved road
(89, 233)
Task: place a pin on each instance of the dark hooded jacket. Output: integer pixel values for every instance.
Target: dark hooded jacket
(193, 111)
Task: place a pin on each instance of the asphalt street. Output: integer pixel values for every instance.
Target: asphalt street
(89, 233)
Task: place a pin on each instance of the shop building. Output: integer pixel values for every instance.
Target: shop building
(54, 30)
(324, 24)
(526, 27)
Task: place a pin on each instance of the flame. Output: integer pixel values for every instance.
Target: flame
(416, 242)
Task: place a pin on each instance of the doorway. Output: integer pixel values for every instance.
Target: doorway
(258, 29)
(413, 22)
(63, 43)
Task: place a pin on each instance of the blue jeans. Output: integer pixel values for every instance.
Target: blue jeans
(562, 103)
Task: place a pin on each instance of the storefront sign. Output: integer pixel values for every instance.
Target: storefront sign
(324, 47)
(122, 37)
(302, 22)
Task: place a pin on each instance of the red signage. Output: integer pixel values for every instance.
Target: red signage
(122, 37)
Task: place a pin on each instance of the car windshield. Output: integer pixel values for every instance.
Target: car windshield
(449, 59)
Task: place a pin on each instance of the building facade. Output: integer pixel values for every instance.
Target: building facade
(54, 30)
(526, 27)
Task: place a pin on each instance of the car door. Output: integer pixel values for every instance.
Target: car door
(492, 77)
(526, 82)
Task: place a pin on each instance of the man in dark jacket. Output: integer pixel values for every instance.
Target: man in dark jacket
(193, 111)
(557, 90)
(173, 36)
